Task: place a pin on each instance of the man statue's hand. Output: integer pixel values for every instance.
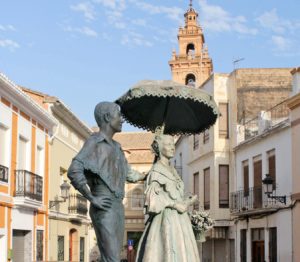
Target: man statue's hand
(103, 203)
(143, 176)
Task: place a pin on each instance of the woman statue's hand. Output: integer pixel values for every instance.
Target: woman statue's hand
(181, 207)
(191, 200)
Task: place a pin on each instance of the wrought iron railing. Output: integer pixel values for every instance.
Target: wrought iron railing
(265, 121)
(77, 204)
(29, 185)
(3, 174)
(250, 199)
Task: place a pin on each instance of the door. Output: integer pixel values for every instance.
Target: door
(258, 251)
(22, 246)
(73, 245)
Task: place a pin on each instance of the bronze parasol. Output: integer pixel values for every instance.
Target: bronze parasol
(180, 109)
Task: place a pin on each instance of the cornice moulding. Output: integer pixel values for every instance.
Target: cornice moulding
(24, 103)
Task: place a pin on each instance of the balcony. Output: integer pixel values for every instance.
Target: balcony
(3, 174)
(77, 207)
(28, 189)
(267, 120)
(251, 202)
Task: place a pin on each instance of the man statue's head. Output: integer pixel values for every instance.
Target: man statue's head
(108, 113)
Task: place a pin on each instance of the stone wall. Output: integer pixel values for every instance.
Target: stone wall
(260, 89)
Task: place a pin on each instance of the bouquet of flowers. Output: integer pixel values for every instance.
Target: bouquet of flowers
(201, 222)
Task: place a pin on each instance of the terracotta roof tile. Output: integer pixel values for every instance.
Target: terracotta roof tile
(137, 146)
(135, 140)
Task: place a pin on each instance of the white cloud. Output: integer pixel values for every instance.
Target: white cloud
(215, 18)
(86, 8)
(113, 4)
(10, 44)
(7, 28)
(82, 30)
(271, 20)
(174, 13)
(116, 18)
(134, 39)
(114, 12)
(281, 44)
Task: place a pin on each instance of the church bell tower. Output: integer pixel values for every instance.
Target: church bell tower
(192, 65)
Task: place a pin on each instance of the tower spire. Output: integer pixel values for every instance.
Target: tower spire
(191, 3)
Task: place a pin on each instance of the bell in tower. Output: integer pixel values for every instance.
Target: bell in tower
(192, 65)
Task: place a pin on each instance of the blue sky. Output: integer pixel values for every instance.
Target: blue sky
(86, 51)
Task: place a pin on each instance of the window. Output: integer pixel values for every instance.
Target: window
(3, 146)
(22, 154)
(207, 188)
(190, 80)
(137, 199)
(206, 136)
(3, 154)
(60, 248)
(81, 249)
(223, 121)
(257, 191)
(246, 177)
(272, 166)
(39, 161)
(243, 245)
(196, 189)
(190, 49)
(195, 142)
(39, 245)
(273, 244)
(224, 186)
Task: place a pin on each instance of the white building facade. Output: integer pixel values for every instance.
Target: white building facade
(263, 225)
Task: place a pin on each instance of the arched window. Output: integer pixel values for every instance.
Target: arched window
(190, 80)
(190, 49)
(137, 199)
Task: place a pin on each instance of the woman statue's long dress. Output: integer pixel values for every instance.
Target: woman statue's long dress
(168, 236)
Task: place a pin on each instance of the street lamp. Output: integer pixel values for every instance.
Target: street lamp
(64, 189)
(268, 189)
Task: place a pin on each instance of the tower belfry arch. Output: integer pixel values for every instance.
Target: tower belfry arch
(192, 64)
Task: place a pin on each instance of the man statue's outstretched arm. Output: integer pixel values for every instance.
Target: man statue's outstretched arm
(134, 176)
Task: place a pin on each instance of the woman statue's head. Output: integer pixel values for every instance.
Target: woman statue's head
(163, 146)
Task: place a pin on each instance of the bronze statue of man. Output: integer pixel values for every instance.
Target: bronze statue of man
(99, 172)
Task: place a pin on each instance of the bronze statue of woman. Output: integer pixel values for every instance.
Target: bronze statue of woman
(168, 236)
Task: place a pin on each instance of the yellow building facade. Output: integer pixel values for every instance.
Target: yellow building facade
(71, 237)
(25, 129)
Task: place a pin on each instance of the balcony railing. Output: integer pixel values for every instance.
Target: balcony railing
(28, 185)
(3, 174)
(77, 204)
(267, 120)
(251, 199)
